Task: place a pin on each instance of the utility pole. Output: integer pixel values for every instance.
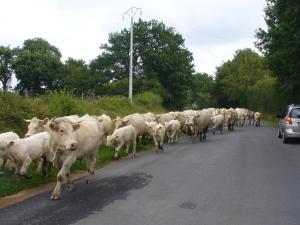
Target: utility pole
(131, 13)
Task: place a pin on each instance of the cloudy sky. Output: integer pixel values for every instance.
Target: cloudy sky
(213, 29)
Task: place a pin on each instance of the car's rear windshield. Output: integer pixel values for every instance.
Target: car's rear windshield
(295, 113)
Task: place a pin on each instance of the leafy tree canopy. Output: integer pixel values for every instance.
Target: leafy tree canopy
(234, 77)
(37, 67)
(6, 61)
(280, 43)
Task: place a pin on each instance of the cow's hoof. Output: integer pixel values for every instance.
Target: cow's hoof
(88, 181)
(70, 188)
(55, 196)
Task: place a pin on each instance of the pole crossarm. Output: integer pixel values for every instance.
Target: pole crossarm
(132, 11)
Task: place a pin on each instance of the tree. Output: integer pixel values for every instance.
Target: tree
(6, 61)
(76, 76)
(280, 43)
(233, 78)
(37, 67)
(159, 54)
(202, 91)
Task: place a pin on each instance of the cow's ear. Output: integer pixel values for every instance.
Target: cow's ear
(44, 121)
(53, 126)
(75, 126)
(11, 143)
(27, 121)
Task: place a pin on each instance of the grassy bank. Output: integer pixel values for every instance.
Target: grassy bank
(14, 109)
(270, 119)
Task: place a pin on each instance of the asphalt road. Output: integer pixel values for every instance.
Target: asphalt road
(247, 177)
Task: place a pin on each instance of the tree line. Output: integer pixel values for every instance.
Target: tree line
(162, 64)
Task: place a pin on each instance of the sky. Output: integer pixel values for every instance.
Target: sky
(213, 29)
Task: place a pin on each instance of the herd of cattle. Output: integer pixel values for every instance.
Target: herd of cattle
(61, 141)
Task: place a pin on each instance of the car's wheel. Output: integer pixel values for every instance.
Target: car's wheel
(284, 138)
(279, 134)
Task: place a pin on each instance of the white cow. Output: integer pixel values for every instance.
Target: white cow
(71, 141)
(149, 116)
(26, 150)
(257, 118)
(107, 125)
(136, 120)
(217, 122)
(182, 116)
(166, 117)
(172, 130)
(4, 139)
(242, 116)
(198, 123)
(124, 135)
(232, 118)
(158, 132)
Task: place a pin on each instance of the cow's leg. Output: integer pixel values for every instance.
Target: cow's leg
(25, 165)
(70, 186)
(18, 167)
(156, 142)
(40, 167)
(4, 162)
(91, 162)
(161, 142)
(204, 133)
(134, 147)
(62, 175)
(177, 136)
(172, 138)
(127, 147)
(118, 149)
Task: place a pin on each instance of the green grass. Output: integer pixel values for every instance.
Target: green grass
(270, 119)
(11, 184)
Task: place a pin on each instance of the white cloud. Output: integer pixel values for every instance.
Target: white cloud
(213, 29)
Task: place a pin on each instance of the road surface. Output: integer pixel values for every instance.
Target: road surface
(246, 177)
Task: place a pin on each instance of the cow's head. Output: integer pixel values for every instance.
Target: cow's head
(113, 140)
(36, 126)
(63, 134)
(119, 122)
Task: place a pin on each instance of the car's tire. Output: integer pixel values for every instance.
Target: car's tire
(279, 135)
(284, 138)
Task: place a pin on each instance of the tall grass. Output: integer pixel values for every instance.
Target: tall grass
(14, 109)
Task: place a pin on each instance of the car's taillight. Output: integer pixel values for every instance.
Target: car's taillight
(288, 120)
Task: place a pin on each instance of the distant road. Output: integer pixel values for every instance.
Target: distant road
(246, 177)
